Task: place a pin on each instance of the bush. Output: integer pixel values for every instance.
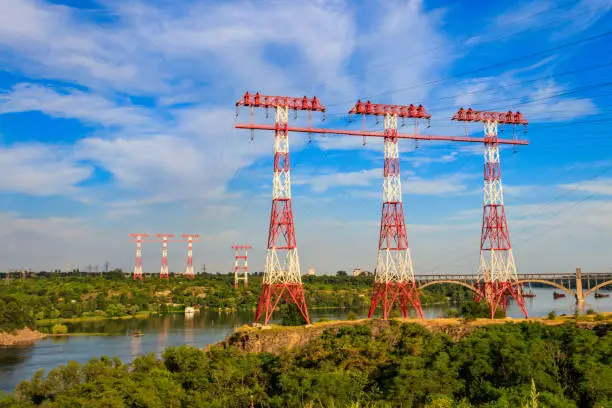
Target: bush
(590, 312)
(552, 315)
(351, 316)
(59, 329)
(453, 313)
(599, 317)
(292, 316)
(115, 310)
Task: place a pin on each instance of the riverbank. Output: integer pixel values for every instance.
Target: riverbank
(62, 320)
(276, 339)
(18, 337)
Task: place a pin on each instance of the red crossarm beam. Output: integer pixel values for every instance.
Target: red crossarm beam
(380, 134)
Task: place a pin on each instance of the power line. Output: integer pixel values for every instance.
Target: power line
(470, 39)
(488, 67)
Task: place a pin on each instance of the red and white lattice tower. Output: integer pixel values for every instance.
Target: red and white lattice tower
(497, 271)
(282, 278)
(163, 273)
(394, 279)
(241, 264)
(138, 265)
(191, 238)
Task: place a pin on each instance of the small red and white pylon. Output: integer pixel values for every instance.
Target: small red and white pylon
(497, 271)
(138, 265)
(163, 273)
(191, 238)
(241, 264)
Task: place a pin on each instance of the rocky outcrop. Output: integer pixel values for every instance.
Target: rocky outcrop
(276, 339)
(23, 336)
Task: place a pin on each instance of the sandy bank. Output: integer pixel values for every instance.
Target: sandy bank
(23, 336)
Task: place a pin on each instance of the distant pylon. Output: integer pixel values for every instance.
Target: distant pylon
(394, 280)
(497, 270)
(138, 265)
(282, 278)
(163, 273)
(191, 238)
(241, 263)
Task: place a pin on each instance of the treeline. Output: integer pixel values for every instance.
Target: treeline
(25, 301)
(401, 365)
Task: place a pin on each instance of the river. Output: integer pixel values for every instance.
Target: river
(207, 327)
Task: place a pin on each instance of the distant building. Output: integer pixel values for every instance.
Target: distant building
(310, 272)
(356, 271)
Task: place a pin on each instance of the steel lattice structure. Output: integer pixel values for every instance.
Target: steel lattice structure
(163, 272)
(138, 265)
(241, 263)
(497, 270)
(191, 238)
(394, 280)
(282, 277)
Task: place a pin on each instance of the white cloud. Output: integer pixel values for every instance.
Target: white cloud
(80, 105)
(602, 186)
(323, 182)
(40, 170)
(449, 185)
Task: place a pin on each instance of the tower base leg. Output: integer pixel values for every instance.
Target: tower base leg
(498, 294)
(271, 294)
(386, 294)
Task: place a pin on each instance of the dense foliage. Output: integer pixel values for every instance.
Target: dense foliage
(22, 302)
(510, 365)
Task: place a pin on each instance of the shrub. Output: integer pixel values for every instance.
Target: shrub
(552, 315)
(59, 329)
(599, 317)
(351, 316)
(590, 312)
(453, 313)
(292, 316)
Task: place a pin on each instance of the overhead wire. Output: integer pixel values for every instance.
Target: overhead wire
(487, 67)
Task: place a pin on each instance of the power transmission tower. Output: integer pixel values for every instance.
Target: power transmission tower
(497, 270)
(241, 263)
(138, 265)
(394, 281)
(190, 240)
(282, 278)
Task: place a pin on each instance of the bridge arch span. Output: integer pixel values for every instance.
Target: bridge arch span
(597, 287)
(454, 282)
(549, 283)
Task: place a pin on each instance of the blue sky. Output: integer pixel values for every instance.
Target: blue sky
(117, 117)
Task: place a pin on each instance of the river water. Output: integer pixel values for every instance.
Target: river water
(206, 327)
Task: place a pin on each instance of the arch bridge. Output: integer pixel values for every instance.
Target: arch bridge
(578, 285)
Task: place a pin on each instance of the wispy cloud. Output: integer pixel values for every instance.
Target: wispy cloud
(70, 103)
(40, 170)
(601, 186)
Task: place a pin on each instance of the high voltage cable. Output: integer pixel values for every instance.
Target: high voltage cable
(488, 67)
(541, 206)
(574, 71)
(375, 67)
(584, 69)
